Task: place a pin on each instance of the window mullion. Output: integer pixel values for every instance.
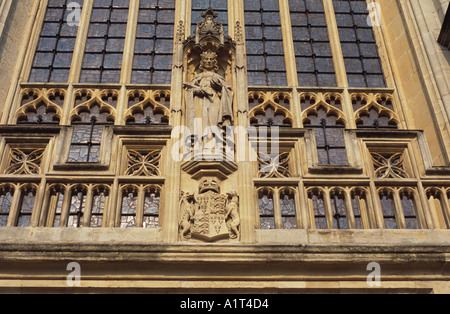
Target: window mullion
(338, 59)
(288, 44)
(80, 43)
(130, 41)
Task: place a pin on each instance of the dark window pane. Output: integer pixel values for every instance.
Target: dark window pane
(53, 57)
(359, 48)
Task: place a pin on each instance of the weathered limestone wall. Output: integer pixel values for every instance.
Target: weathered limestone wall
(14, 16)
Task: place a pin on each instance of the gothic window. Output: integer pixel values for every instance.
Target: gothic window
(99, 205)
(153, 52)
(27, 201)
(103, 55)
(359, 47)
(140, 207)
(6, 199)
(409, 209)
(266, 209)
(288, 209)
(277, 208)
(439, 200)
(264, 41)
(329, 133)
(129, 207)
(388, 209)
(87, 135)
(56, 203)
(339, 210)
(56, 43)
(359, 204)
(311, 44)
(77, 207)
(151, 208)
(317, 204)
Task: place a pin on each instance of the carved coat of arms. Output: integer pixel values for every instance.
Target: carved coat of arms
(209, 216)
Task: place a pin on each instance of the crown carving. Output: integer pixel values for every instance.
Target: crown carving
(209, 185)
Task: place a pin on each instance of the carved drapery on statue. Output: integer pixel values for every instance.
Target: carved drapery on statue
(209, 215)
(209, 58)
(208, 94)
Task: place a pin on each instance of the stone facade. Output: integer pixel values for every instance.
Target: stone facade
(107, 175)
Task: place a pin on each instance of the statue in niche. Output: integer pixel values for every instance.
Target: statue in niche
(209, 96)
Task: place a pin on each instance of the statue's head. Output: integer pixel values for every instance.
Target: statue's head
(209, 61)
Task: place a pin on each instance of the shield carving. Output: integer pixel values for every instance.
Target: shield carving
(209, 217)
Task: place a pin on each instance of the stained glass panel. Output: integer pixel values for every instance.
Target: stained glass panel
(288, 211)
(26, 209)
(266, 210)
(77, 209)
(319, 210)
(129, 209)
(151, 210)
(5, 207)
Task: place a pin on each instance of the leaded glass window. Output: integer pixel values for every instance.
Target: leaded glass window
(98, 206)
(266, 209)
(27, 202)
(6, 198)
(56, 43)
(153, 52)
(151, 209)
(359, 47)
(311, 43)
(409, 210)
(318, 207)
(388, 208)
(56, 205)
(265, 53)
(339, 210)
(77, 207)
(129, 208)
(103, 55)
(87, 136)
(288, 209)
(330, 140)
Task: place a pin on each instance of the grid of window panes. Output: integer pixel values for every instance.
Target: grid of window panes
(102, 61)
(265, 53)
(56, 43)
(311, 44)
(362, 61)
(220, 7)
(153, 53)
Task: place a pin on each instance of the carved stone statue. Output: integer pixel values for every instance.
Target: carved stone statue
(209, 96)
(209, 216)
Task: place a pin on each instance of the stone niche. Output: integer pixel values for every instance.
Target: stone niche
(209, 205)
